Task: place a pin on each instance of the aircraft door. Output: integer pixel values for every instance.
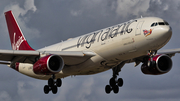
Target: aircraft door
(138, 28)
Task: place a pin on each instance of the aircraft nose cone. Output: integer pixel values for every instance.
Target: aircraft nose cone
(167, 31)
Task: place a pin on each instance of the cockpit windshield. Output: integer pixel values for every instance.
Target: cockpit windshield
(166, 23)
(159, 23)
(154, 24)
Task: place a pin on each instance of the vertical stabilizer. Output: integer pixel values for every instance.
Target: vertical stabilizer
(18, 41)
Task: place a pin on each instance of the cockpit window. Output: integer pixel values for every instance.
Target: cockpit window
(166, 23)
(154, 24)
(159, 23)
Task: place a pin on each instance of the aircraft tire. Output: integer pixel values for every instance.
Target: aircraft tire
(120, 82)
(46, 89)
(54, 89)
(58, 82)
(112, 82)
(51, 82)
(108, 89)
(115, 89)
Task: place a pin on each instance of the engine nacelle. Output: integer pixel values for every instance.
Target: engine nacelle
(159, 64)
(50, 64)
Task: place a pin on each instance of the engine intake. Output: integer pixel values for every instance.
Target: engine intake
(159, 64)
(50, 64)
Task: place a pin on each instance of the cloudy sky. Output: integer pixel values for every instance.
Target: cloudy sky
(45, 22)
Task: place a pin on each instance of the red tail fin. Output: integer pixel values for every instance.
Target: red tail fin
(18, 41)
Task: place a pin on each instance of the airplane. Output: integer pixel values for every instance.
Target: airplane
(135, 41)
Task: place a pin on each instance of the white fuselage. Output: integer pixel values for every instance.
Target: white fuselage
(112, 45)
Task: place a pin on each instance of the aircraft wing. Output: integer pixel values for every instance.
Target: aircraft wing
(170, 52)
(23, 56)
(72, 57)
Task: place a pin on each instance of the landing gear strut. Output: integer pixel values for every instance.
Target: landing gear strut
(52, 85)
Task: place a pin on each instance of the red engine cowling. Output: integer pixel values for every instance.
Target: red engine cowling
(159, 64)
(48, 65)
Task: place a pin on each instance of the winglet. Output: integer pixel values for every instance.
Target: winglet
(18, 41)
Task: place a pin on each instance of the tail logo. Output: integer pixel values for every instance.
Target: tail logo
(17, 44)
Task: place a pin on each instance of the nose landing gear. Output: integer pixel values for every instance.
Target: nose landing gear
(52, 85)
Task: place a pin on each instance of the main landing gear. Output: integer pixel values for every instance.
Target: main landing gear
(114, 82)
(114, 85)
(52, 85)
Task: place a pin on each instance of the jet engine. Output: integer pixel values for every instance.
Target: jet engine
(159, 64)
(50, 64)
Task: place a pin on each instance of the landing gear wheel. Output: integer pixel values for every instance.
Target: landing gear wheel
(58, 82)
(50, 82)
(120, 82)
(112, 82)
(54, 89)
(46, 89)
(108, 89)
(115, 89)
